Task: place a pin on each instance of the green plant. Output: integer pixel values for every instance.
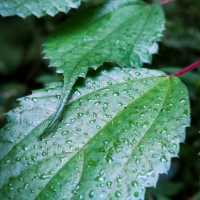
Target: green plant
(108, 136)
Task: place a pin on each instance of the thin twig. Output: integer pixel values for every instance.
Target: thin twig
(188, 69)
(163, 2)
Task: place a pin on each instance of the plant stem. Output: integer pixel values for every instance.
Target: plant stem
(163, 2)
(188, 69)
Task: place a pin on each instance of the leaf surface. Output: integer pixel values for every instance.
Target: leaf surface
(24, 8)
(124, 32)
(119, 132)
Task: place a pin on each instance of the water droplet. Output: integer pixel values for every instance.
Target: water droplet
(119, 179)
(117, 194)
(134, 183)
(98, 127)
(68, 141)
(136, 194)
(92, 121)
(105, 105)
(34, 100)
(8, 161)
(79, 115)
(116, 94)
(44, 153)
(109, 184)
(91, 194)
(97, 103)
(163, 159)
(182, 101)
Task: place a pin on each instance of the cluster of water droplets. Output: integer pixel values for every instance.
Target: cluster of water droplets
(118, 133)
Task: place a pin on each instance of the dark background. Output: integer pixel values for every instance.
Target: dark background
(22, 69)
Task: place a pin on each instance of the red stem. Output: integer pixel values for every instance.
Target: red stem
(163, 2)
(188, 69)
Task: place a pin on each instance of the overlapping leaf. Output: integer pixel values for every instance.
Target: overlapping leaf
(118, 133)
(24, 8)
(124, 32)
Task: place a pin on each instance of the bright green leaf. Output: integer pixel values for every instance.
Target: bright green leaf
(124, 32)
(118, 133)
(24, 8)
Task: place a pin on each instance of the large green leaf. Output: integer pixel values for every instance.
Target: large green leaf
(117, 135)
(24, 8)
(124, 32)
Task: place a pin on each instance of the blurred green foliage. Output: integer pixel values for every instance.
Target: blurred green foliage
(22, 69)
(181, 47)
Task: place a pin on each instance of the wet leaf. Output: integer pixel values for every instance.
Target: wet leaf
(124, 32)
(118, 133)
(34, 7)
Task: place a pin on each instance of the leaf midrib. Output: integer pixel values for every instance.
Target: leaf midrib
(146, 132)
